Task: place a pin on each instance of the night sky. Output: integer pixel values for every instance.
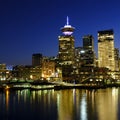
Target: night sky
(33, 26)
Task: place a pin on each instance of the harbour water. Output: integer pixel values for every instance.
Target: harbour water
(71, 104)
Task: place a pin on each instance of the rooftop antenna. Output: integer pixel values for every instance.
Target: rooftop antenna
(67, 20)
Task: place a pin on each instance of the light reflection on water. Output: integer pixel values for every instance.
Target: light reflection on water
(73, 104)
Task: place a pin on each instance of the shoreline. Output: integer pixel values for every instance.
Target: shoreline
(48, 86)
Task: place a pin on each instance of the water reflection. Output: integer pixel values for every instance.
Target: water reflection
(88, 104)
(107, 104)
(83, 107)
(65, 105)
(7, 99)
(73, 104)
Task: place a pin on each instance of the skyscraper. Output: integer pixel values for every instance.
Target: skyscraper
(37, 59)
(88, 54)
(116, 59)
(106, 56)
(66, 45)
(88, 42)
(78, 60)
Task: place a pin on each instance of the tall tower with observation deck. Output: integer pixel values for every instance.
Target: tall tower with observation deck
(66, 45)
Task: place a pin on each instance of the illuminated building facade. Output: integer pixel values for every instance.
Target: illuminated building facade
(35, 73)
(3, 71)
(116, 59)
(37, 59)
(48, 69)
(66, 45)
(66, 53)
(27, 72)
(106, 57)
(78, 60)
(85, 56)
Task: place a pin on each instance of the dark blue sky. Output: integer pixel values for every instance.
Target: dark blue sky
(33, 26)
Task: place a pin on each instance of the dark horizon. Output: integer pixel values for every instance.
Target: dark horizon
(28, 27)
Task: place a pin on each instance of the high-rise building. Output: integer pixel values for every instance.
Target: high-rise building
(78, 60)
(88, 42)
(88, 48)
(66, 45)
(85, 56)
(106, 56)
(37, 59)
(116, 59)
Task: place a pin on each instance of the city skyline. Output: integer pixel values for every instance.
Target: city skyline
(29, 27)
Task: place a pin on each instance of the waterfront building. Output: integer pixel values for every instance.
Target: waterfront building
(3, 66)
(28, 72)
(35, 73)
(93, 75)
(37, 59)
(106, 57)
(48, 69)
(66, 53)
(4, 73)
(21, 72)
(58, 69)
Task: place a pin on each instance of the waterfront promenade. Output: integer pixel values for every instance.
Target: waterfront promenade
(42, 85)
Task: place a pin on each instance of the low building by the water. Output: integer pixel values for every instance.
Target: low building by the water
(4, 72)
(50, 71)
(27, 72)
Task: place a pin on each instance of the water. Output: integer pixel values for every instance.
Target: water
(73, 104)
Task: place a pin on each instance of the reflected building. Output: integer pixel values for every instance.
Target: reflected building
(105, 101)
(67, 102)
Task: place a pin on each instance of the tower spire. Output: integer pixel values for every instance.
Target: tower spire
(67, 29)
(67, 20)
